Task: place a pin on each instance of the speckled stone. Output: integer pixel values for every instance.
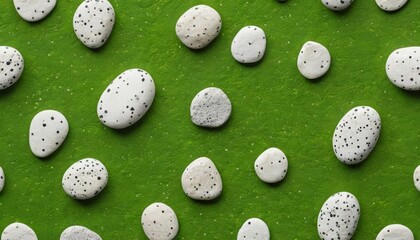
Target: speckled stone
(79, 233)
(126, 99)
(395, 232)
(34, 10)
(211, 107)
(403, 68)
(271, 166)
(249, 44)
(159, 222)
(2, 179)
(85, 179)
(356, 134)
(338, 217)
(314, 60)
(47, 132)
(254, 229)
(198, 26)
(337, 5)
(18, 231)
(201, 180)
(390, 5)
(11, 66)
(93, 22)
(416, 178)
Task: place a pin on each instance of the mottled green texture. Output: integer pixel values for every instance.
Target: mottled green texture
(273, 106)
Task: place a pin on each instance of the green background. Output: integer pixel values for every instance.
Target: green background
(273, 106)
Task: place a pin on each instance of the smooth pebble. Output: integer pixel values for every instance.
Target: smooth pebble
(416, 178)
(2, 179)
(249, 44)
(159, 222)
(271, 166)
(18, 231)
(93, 22)
(126, 99)
(198, 26)
(34, 10)
(403, 68)
(201, 180)
(11, 66)
(390, 5)
(79, 233)
(85, 179)
(337, 5)
(395, 232)
(338, 217)
(47, 132)
(254, 228)
(356, 134)
(211, 107)
(314, 60)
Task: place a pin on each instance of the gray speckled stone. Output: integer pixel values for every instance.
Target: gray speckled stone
(34, 10)
(11, 66)
(79, 233)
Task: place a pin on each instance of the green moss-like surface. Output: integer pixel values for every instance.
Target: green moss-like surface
(273, 106)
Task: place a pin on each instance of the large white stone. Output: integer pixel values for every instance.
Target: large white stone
(18, 231)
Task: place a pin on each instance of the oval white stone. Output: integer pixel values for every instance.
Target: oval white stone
(126, 99)
(314, 60)
(85, 179)
(271, 166)
(93, 22)
(11, 66)
(356, 134)
(337, 5)
(47, 132)
(338, 217)
(198, 26)
(159, 222)
(18, 231)
(211, 107)
(79, 233)
(254, 228)
(201, 180)
(403, 68)
(34, 10)
(2, 179)
(395, 232)
(249, 44)
(390, 5)
(416, 178)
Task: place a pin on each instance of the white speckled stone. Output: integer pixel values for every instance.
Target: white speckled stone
(249, 44)
(93, 22)
(85, 179)
(271, 165)
(390, 5)
(2, 179)
(126, 99)
(201, 180)
(338, 217)
(395, 232)
(337, 5)
(79, 233)
(211, 107)
(198, 26)
(356, 134)
(403, 68)
(314, 60)
(11, 66)
(159, 222)
(416, 178)
(18, 231)
(254, 229)
(34, 10)
(47, 132)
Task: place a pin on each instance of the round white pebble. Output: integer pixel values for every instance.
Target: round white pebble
(255, 229)
(79, 233)
(198, 26)
(85, 179)
(159, 222)
(390, 5)
(314, 60)
(337, 5)
(18, 231)
(2, 179)
(211, 107)
(34, 10)
(395, 232)
(11, 66)
(403, 68)
(249, 44)
(271, 166)
(416, 178)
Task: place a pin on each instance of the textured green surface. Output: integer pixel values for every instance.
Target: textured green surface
(273, 105)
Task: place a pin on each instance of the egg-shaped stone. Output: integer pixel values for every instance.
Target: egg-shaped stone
(255, 229)
(79, 233)
(403, 68)
(159, 222)
(314, 60)
(395, 232)
(249, 44)
(34, 10)
(271, 166)
(11, 66)
(18, 231)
